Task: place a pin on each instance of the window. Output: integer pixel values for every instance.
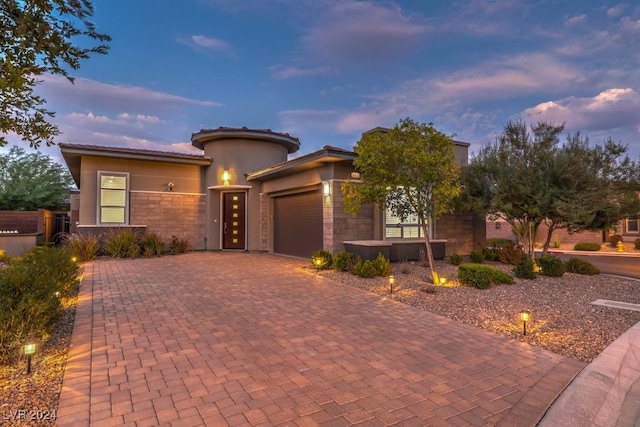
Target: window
(112, 198)
(632, 225)
(409, 229)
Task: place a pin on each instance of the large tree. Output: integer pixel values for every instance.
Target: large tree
(410, 170)
(40, 37)
(530, 178)
(31, 181)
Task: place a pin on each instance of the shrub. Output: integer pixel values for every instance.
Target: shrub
(476, 275)
(322, 259)
(343, 261)
(614, 239)
(525, 269)
(511, 254)
(178, 245)
(122, 243)
(476, 257)
(491, 254)
(455, 259)
(382, 266)
(84, 247)
(587, 246)
(30, 287)
(152, 244)
(364, 269)
(580, 266)
(636, 244)
(502, 277)
(498, 242)
(3, 255)
(551, 266)
(556, 242)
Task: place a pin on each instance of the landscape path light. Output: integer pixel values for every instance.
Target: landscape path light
(525, 315)
(392, 280)
(29, 350)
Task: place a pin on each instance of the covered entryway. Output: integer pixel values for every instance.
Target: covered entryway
(297, 223)
(233, 222)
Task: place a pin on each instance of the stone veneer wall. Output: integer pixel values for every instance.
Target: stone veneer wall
(339, 225)
(457, 230)
(171, 214)
(264, 222)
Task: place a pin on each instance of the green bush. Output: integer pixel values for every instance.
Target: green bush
(614, 239)
(178, 245)
(491, 254)
(636, 244)
(322, 259)
(382, 265)
(511, 254)
(502, 277)
(152, 244)
(476, 257)
(587, 246)
(364, 269)
(122, 243)
(476, 275)
(455, 259)
(3, 255)
(525, 269)
(84, 247)
(499, 242)
(580, 266)
(30, 290)
(343, 261)
(551, 266)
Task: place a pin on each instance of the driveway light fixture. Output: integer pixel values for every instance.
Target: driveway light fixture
(525, 315)
(392, 280)
(29, 350)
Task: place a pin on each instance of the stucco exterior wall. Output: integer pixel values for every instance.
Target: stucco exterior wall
(171, 214)
(143, 176)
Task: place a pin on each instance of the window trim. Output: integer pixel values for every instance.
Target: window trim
(626, 225)
(99, 198)
(402, 225)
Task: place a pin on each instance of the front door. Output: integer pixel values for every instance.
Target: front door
(233, 224)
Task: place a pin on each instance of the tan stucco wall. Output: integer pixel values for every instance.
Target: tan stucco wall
(143, 176)
(171, 214)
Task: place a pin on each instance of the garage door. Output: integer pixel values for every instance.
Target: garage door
(297, 222)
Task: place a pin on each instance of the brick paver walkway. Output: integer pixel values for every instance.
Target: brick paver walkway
(256, 339)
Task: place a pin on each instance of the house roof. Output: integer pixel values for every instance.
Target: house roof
(200, 139)
(73, 152)
(327, 154)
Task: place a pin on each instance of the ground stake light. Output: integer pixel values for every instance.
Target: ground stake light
(29, 349)
(392, 280)
(524, 316)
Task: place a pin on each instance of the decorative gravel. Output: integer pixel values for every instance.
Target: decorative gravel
(563, 321)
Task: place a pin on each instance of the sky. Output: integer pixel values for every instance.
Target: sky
(327, 70)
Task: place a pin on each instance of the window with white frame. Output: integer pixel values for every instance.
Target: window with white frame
(632, 225)
(410, 228)
(113, 198)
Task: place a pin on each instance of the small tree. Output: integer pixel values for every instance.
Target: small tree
(39, 37)
(31, 181)
(410, 170)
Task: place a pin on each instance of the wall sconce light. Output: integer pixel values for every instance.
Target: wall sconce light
(392, 280)
(29, 350)
(326, 188)
(525, 315)
(355, 175)
(226, 176)
(170, 186)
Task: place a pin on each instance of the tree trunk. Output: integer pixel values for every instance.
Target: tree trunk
(547, 242)
(427, 242)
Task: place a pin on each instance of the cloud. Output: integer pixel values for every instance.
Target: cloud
(352, 31)
(206, 44)
(609, 109)
(90, 93)
(282, 72)
(574, 20)
(617, 9)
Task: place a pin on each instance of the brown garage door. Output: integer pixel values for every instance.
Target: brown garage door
(297, 224)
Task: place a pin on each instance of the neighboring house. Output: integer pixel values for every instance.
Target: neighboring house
(243, 194)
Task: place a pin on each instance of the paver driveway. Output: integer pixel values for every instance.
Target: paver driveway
(258, 339)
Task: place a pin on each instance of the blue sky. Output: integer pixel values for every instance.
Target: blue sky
(325, 71)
